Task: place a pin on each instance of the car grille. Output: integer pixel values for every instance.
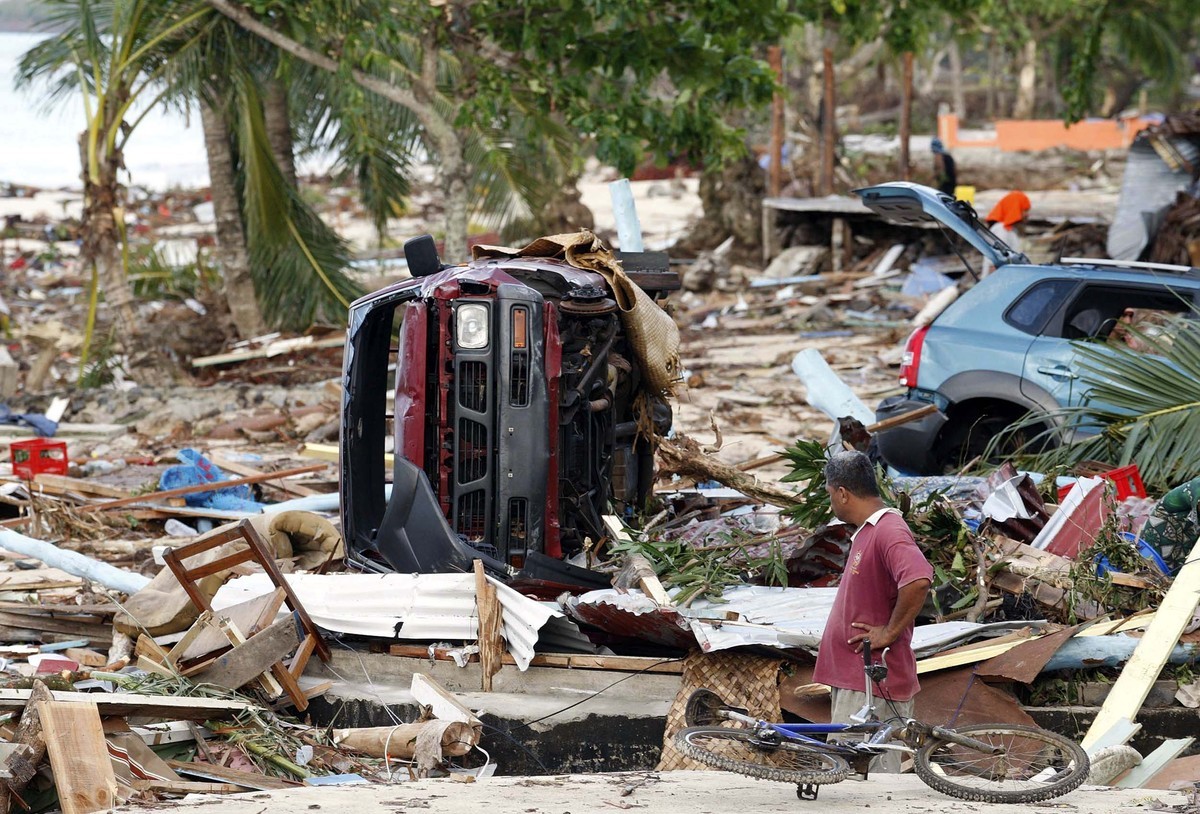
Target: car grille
(518, 522)
(472, 514)
(472, 460)
(472, 386)
(518, 393)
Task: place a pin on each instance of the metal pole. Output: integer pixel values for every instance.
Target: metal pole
(906, 116)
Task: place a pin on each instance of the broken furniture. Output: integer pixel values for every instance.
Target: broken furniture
(256, 551)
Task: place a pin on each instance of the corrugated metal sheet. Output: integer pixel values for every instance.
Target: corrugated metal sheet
(1148, 188)
(422, 607)
(772, 617)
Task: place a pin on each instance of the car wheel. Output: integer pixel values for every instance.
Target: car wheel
(968, 437)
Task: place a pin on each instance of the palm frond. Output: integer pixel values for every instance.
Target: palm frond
(1141, 407)
(297, 261)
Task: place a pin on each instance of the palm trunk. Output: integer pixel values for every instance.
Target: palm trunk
(1026, 101)
(232, 252)
(101, 245)
(458, 208)
(957, 96)
(279, 128)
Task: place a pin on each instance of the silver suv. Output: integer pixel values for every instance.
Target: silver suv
(1004, 348)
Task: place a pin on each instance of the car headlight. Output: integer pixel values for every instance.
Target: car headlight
(471, 326)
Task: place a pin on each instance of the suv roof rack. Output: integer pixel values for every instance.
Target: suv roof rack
(1096, 261)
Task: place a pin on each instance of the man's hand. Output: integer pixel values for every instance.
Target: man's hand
(879, 636)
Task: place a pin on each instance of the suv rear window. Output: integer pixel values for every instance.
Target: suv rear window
(1033, 308)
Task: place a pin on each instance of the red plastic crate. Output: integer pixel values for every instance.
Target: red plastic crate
(1127, 479)
(38, 456)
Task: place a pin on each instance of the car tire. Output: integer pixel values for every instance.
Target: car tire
(967, 436)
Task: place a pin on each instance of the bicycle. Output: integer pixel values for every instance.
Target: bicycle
(991, 763)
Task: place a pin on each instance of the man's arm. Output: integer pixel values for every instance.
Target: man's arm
(909, 601)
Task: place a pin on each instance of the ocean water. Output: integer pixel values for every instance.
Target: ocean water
(38, 147)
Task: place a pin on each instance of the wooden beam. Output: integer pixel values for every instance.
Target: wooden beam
(1139, 674)
(145, 706)
(249, 471)
(1153, 763)
(203, 487)
(78, 755)
(62, 485)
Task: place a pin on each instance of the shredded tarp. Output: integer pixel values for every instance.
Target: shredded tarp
(651, 331)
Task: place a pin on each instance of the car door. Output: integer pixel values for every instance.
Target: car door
(1090, 312)
(1048, 371)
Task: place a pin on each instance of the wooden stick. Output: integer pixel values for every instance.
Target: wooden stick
(897, 420)
(202, 487)
(491, 647)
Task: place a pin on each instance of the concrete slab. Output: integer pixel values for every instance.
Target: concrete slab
(662, 793)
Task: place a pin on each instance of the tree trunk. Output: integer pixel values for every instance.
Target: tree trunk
(829, 128)
(906, 96)
(958, 97)
(775, 57)
(456, 189)
(1026, 101)
(103, 207)
(232, 252)
(993, 65)
(279, 128)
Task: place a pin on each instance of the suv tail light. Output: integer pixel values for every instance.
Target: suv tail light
(910, 363)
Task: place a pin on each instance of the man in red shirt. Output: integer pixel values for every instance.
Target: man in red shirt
(882, 589)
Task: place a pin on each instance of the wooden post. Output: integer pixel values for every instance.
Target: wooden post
(491, 647)
(829, 130)
(906, 115)
(775, 178)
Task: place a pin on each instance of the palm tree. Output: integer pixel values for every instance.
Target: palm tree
(104, 51)
(181, 52)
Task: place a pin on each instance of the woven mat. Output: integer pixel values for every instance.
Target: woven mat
(742, 680)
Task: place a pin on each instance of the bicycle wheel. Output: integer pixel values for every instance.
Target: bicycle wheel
(1034, 765)
(739, 750)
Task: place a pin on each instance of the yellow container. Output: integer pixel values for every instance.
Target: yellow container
(965, 193)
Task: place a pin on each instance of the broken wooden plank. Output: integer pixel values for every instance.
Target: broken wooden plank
(276, 348)
(37, 580)
(144, 706)
(183, 787)
(22, 766)
(223, 774)
(78, 755)
(250, 616)
(248, 471)
(202, 487)
(329, 452)
(636, 568)
(1139, 674)
(63, 485)
(445, 706)
(1153, 763)
(491, 645)
(247, 661)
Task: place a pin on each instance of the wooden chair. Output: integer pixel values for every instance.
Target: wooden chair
(256, 551)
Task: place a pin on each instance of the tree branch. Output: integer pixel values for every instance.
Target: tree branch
(248, 21)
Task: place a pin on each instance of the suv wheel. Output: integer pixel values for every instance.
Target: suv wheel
(969, 433)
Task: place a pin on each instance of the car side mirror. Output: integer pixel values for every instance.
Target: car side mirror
(421, 255)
